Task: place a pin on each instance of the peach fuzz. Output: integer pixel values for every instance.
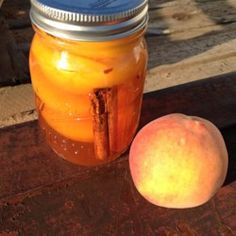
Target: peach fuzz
(178, 161)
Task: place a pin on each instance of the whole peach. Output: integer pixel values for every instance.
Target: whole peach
(178, 161)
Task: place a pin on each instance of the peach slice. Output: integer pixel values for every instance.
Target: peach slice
(81, 74)
(77, 129)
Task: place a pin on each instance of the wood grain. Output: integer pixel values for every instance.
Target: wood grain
(13, 64)
(213, 98)
(194, 14)
(194, 39)
(105, 202)
(40, 194)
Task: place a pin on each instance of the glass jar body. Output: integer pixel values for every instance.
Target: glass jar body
(88, 94)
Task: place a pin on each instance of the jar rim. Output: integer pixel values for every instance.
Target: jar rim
(81, 26)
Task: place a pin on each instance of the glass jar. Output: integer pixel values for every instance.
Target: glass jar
(88, 76)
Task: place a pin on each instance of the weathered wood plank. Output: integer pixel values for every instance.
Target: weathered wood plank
(214, 99)
(16, 14)
(105, 202)
(181, 56)
(197, 44)
(14, 61)
(16, 104)
(6, 68)
(177, 61)
(167, 51)
(40, 194)
(13, 64)
(187, 15)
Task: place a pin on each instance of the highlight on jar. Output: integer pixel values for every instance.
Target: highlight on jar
(88, 93)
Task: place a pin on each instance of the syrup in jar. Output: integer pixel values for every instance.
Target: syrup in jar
(88, 84)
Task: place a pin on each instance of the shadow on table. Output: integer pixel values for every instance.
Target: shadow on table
(230, 140)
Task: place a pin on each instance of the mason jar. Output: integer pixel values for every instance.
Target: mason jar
(88, 62)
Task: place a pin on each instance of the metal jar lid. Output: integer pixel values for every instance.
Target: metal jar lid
(90, 20)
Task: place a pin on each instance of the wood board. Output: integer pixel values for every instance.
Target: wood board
(42, 194)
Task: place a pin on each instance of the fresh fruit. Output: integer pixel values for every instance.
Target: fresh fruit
(178, 161)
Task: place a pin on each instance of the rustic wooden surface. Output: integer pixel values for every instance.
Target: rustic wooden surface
(41, 194)
(187, 40)
(13, 60)
(194, 39)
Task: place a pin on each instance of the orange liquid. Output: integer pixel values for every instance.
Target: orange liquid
(82, 153)
(64, 79)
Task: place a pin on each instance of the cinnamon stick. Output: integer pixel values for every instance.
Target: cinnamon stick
(104, 121)
(112, 108)
(100, 124)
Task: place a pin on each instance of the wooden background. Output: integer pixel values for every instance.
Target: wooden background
(188, 40)
(40, 194)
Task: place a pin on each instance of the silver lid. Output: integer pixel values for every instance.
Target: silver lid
(91, 20)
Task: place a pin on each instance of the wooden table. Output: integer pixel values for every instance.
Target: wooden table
(41, 194)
